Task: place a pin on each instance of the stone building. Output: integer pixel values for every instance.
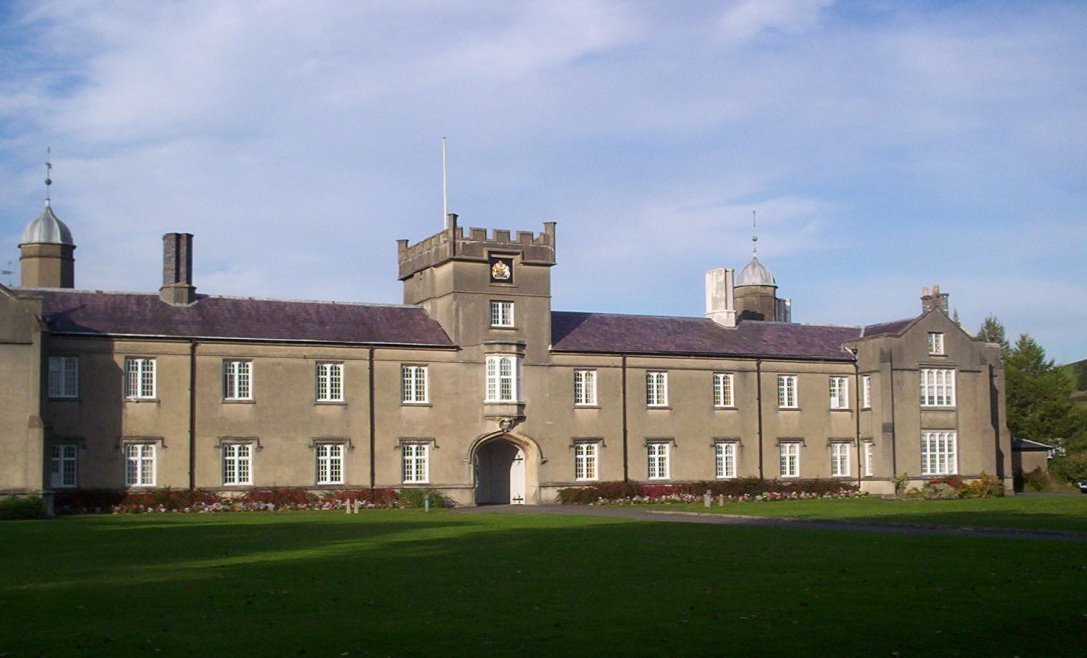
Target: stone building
(474, 386)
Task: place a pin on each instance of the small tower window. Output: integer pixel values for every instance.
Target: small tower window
(501, 314)
(935, 342)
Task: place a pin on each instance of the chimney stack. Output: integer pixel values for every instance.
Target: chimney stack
(177, 287)
(720, 306)
(935, 301)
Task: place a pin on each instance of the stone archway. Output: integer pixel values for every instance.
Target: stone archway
(504, 471)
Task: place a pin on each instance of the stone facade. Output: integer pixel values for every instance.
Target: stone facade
(475, 387)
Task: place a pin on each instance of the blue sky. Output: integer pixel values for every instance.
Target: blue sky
(885, 146)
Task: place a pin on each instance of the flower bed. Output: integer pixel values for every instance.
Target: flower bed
(739, 490)
(253, 500)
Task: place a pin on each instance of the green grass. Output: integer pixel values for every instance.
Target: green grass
(406, 583)
(1056, 513)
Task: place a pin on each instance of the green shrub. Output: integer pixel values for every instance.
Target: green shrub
(936, 490)
(22, 507)
(738, 488)
(1069, 468)
(419, 497)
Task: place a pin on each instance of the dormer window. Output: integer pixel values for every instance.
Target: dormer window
(501, 314)
(935, 343)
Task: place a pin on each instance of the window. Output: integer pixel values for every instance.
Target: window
(867, 453)
(584, 388)
(790, 459)
(139, 378)
(63, 465)
(656, 389)
(935, 342)
(839, 393)
(725, 458)
(63, 376)
(503, 378)
(722, 389)
(329, 463)
(658, 460)
(839, 459)
(938, 453)
(140, 464)
(866, 392)
(330, 382)
(501, 314)
(586, 454)
(237, 463)
(237, 380)
(787, 391)
(416, 466)
(937, 387)
(413, 385)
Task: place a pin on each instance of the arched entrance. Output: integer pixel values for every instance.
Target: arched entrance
(500, 473)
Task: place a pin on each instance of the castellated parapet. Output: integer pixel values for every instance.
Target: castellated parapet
(453, 244)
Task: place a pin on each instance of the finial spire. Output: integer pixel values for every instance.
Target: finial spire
(48, 173)
(754, 235)
(445, 203)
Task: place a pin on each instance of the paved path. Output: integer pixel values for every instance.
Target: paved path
(644, 514)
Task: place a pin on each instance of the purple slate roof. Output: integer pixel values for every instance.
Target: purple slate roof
(144, 314)
(642, 334)
(885, 328)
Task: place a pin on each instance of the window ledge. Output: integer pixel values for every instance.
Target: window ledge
(145, 400)
(658, 407)
(840, 409)
(233, 401)
(727, 407)
(415, 404)
(330, 403)
(586, 406)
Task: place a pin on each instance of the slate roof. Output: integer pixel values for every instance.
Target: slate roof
(145, 314)
(887, 328)
(642, 334)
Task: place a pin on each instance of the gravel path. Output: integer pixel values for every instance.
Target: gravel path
(643, 514)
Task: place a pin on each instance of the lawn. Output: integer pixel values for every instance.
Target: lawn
(407, 583)
(1049, 513)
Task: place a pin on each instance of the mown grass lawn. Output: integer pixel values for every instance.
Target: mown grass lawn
(1046, 513)
(407, 583)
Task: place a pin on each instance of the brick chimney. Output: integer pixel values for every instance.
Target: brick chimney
(720, 304)
(935, 301)
(177, 287)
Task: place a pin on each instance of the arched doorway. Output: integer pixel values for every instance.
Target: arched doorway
(500, 473)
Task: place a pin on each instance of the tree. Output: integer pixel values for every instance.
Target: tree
(1039, 397)
(993, 332)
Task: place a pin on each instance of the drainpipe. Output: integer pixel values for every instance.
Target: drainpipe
(373, 420)
(857, 414)
(894, 424)
(626, 464)
(758, 406)
(192, 414)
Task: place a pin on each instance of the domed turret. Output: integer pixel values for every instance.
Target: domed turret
(46, 249)
(46, 229)
(755, 274)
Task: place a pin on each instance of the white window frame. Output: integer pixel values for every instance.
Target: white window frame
(788, 386)
(501, 314)
(64, 465)
(937, 387)
(329, 462)
(140, 464)
(63, 377)
(503, 378)
(658, 466)
(839, 459)
(584, 388)
(329, 377)
(656, 388)
(415, 463)
(866, 392)
(237, 380)
(724, 390)
(414, 384)
(939, 453)
(726, 459)
(936, 343)
(237, 464)
(140, 378)
(789, 459)
(586, 461)
(839, 392)
(867, 455)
